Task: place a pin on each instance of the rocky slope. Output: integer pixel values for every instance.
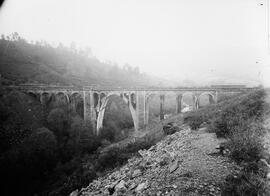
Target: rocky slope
(184, 163)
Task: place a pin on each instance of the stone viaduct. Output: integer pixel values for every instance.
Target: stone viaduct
(138, 99)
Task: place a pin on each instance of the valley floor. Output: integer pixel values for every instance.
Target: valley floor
(185, 163)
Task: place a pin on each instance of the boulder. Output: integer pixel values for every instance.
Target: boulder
(173, 166)
(170, 128)
(141, 187)
(164, 161)
(74, 193)
(268, 176)
(120, 185)
(223, 150)
(136, 173)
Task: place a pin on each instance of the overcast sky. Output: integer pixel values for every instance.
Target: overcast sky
(209, 40)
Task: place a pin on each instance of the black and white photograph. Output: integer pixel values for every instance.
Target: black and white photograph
(135, 97)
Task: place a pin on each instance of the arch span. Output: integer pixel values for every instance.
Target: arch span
(62, 97)
(33, 95)
(151, 101)
(76, 103)
(202, 99)
(45, 98)
(104, 103)
(188, 101)
(178, 103)
(156, 102)
(170, 104)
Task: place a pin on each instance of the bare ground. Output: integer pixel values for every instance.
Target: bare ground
(185, 163)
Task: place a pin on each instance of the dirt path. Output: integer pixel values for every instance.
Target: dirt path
(181, 164)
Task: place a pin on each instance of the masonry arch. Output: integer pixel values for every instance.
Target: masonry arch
(95, 99)
(45, 98)
(152, 108)
(102, 96)
(33, 95)
(61, 99)
(76, 103)
(188, 101)
(125, 97)
(170, 103)
(106, 103)
(133, 100)
(206, 98)
(178, 103)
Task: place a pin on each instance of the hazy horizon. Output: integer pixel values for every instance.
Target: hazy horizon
(217, 41)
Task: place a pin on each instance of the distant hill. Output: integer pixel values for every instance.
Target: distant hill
(40, 63)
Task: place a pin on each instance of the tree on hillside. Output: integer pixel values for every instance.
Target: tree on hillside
(62, 65)
(73, 47)
(24, 165)
(58, 122)
(15, 36)
(137, 70)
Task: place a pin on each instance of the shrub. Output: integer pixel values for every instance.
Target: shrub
(4, 112)
(58, 122)
(241, 123)
(245, 184)
(109, 132)
(245, 142)
(194, 121)
(24, 164)
(235, 114)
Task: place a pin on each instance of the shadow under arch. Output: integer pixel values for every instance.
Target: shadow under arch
(34, 96)
(45, 98)
(76, 103)
(188, 101)
(152, 108)
(59, 100)
(205, 98)
(170, 103)
(106, 103)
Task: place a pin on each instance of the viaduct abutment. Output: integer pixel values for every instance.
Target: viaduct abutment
(95, 100)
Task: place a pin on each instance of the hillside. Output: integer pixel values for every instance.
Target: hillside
(180, 164)
(39, 62)
(218, 151)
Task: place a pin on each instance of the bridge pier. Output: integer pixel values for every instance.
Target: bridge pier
(195, 102)
(211, 100)
(142, 108)
(87, 107)
(101, 112)
(162, 101)
(178, 104)
(72, 105)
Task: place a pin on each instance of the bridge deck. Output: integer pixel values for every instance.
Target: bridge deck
(95, 88)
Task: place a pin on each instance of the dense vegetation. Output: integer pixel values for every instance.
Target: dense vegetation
(240, 120)
(51, 151)
(37, 149)
(39, 62)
